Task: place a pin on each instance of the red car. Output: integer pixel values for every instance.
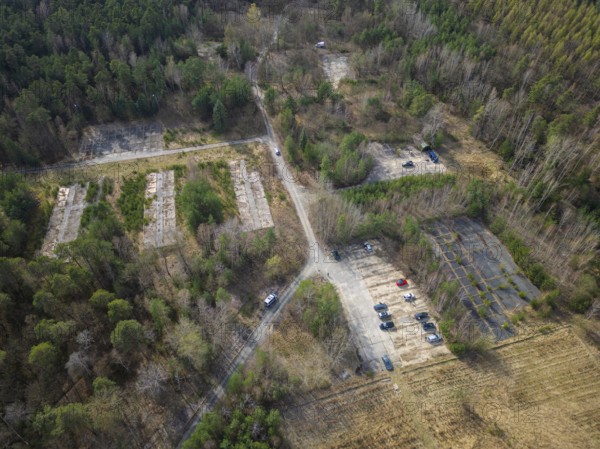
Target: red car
(401, 282)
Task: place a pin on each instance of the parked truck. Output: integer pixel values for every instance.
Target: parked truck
(432, 154)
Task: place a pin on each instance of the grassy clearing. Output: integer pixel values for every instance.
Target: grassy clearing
(511, 395)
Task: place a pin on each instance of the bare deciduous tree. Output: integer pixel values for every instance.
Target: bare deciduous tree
(336, 220)
(77, 365)
(151, 379)
(434, 122)
(84, 339)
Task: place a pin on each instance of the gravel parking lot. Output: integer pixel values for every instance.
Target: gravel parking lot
(365, 279)
(389, 160)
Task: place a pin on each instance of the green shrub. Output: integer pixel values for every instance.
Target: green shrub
(119, 310)
(446, 328)
(458, 349)
(91, 193)
(517, 317)
(580, 303)
(482, 311)
(127, 336)
(586, 288)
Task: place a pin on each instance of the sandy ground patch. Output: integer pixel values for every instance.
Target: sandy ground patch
(538, 392)
(469, 156)
(66, 217)
(336, 68)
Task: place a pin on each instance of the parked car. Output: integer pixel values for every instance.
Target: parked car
(387, 362)
(380, 306)
(408, 164)
(368, 247)
(434, 157)
(320, 44)
(277, 152)
(435, 338)
(409, 297)
(335, 255)
(421, 316)
(385, 314)
(386, 325)
(401, 282)
(428, 327)
(271, 299)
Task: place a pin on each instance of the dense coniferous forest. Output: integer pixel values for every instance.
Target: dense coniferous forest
(65, 64)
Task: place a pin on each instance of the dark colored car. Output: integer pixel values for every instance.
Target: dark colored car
(401, 282)
(387, 325)
(385, 314)
(335, 255)
(421, 316)
(380, 306)
(408, 164)
(428, 327)
(434, 157)
(387, 362)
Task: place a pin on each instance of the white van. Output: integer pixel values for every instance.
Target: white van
(320, 44)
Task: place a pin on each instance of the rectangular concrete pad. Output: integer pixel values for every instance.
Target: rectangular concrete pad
(160, 216)
(64, 223)
(253, 206)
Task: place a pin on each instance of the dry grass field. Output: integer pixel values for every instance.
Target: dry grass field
(537, 392)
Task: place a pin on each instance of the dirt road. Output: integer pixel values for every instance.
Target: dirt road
(315, 261)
